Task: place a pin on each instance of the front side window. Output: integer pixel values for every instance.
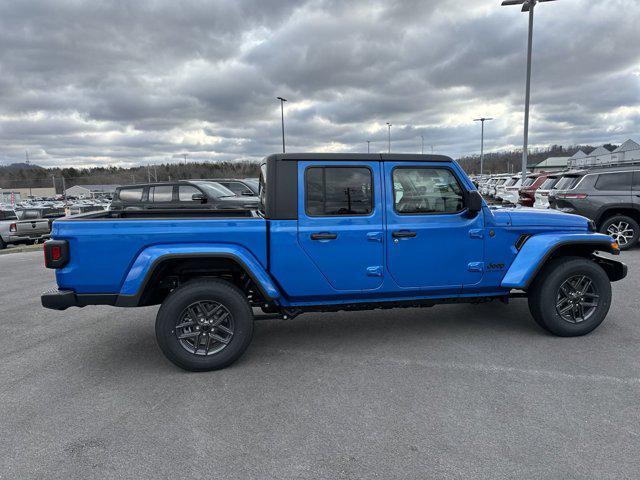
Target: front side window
(426, 190)
(131, 194)
(614, 181)
(186, 193)
(334, 191)
(161, 193)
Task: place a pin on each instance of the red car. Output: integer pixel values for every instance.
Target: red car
(528, 190)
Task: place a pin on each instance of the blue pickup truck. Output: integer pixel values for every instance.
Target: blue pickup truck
(333, 232)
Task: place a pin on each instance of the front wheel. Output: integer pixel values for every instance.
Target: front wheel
(570, 297)
(204, 325)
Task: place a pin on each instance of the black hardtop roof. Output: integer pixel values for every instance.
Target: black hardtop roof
(169, 182)
(371, 157)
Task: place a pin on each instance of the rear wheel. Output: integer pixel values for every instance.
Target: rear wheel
(2, 244)
(624, 230)
(204, 325)
(570, 297)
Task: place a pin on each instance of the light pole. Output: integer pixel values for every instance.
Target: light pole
(389, 138)
(527, 6)
(282, 100)
(422, 144)
(368, 146)
(483, 119)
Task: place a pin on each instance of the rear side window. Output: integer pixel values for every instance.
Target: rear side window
(614, 181)
(565, 183)
(548, 183)
(426, 190)
(131, 194)
(332, 191)
(161, 193)
(8, 215)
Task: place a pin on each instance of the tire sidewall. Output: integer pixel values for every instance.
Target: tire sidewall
(215, 290)
(561, 271)
(632, 223)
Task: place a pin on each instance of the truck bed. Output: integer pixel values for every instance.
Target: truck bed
(104, 245)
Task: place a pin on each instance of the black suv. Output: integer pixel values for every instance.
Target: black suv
(610, 196)
(186, 195)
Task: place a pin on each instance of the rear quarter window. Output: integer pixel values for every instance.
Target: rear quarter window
(614, 181)
(130, 194)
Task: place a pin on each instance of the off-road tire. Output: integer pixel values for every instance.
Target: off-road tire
(545, 293)
(210, 290)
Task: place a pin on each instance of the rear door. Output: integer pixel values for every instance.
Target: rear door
(160, 197)
(432, 244)
(340, 222)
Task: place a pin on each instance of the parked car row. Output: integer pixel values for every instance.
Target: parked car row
(29, 221)
(608, 195)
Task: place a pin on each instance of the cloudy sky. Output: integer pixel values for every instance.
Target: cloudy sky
(129, 82)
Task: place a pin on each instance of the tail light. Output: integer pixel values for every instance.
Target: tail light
(580, 196)
(13, 228)
(56, 253)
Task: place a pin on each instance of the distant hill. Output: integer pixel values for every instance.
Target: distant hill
(22, 166)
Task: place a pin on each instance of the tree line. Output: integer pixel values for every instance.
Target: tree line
(22, 175)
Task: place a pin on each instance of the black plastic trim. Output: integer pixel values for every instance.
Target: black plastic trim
(135, 299)
(592, 243)
(63, 299)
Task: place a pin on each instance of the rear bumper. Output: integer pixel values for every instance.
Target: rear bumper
(63, 299)
(27, 238)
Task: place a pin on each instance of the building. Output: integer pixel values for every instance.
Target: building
(551, 164)
(9, 197)
(629, 151)
(91, 191)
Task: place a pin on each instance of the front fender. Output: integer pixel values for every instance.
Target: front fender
(539, 248)
(150, 257)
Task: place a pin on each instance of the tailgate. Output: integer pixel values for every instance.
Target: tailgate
(32, 228)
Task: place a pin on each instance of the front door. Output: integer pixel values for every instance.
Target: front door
(340, 222)
(432, 243)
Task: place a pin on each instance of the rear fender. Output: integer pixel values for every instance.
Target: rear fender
(146, 262)
(539, 248)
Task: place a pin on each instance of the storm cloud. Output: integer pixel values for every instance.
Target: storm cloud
(121, 83)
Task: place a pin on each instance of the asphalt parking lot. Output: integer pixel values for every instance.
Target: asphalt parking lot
(456, 391)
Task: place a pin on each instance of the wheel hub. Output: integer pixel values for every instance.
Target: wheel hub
(621, 232)
(577, 299)
(204, 328)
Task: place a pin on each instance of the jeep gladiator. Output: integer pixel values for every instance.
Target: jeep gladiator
(333, 232)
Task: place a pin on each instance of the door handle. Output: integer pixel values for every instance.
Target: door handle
(324, 236)
(403, 234)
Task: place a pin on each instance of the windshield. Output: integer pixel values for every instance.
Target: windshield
(548, 183)
(214, 190)
(566, 183)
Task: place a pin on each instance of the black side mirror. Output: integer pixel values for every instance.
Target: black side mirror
(473, 202)
(199, 197)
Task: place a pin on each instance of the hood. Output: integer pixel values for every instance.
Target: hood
(531, 217)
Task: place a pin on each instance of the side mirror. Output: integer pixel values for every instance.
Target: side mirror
(199, 197)
(473, 202)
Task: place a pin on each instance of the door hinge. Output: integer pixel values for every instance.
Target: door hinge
(374, 271)
(476, 233)
(475, 266)
(374, 236)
